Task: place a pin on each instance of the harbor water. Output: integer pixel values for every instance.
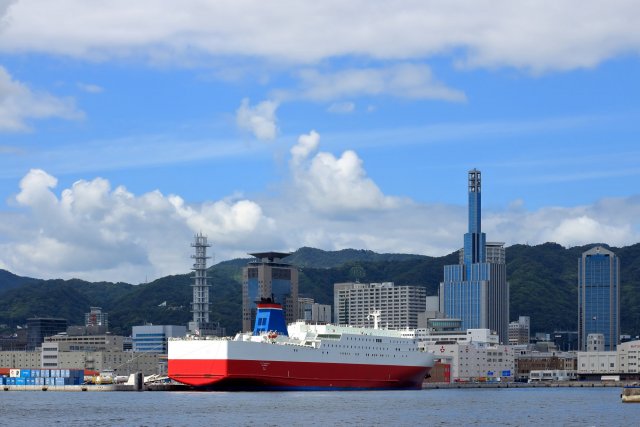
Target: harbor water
(436, 407)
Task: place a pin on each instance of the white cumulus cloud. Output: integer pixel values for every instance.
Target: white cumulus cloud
(260, 120)
(334, 184)
(19, 104)
(96, 232)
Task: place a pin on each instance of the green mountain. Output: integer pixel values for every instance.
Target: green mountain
(543, 285)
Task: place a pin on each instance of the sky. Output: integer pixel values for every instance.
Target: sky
(127, 127)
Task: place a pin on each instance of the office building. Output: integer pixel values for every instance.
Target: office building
(476, 289)
(105, 342)
(96, 322)
(153, 338)
(40, 327)
(311, 311)
(599, 297)
(269, 277)
(399, 306)
(520, 331)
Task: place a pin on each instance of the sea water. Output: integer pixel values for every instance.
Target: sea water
(438, 407)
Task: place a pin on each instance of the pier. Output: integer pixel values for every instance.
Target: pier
(538, 384)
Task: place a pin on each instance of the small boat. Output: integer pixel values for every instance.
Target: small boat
(631, 393)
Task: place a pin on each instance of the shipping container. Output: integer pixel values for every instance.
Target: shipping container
(21, 381)
(14, 373)
(31, 381)
(25, 373)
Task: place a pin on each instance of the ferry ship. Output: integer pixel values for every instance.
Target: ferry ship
(300, 357)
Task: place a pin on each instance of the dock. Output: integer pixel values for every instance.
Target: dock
(538, 384)
(97, 387)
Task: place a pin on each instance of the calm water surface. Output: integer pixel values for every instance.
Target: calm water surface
(475, 407)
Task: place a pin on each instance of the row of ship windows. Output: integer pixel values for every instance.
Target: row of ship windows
(365, 348)
(346, 353)
(376, 340)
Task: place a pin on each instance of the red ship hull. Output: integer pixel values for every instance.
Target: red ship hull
(270, 375)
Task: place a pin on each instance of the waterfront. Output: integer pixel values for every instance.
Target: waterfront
(480, 407)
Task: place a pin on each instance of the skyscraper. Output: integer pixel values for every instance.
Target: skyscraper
(599, 297)
(269, 277)
(476, 290)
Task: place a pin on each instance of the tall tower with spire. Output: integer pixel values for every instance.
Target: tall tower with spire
(476, 290)
(474, 239)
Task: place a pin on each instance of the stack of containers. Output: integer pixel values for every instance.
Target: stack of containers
(46, 377)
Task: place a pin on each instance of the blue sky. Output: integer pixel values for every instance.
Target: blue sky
(126, 130)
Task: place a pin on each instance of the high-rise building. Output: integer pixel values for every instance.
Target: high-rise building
(399, 306)
(269, 277)
(40, 327)
(476, 290)
(599, 297)
(520, 331)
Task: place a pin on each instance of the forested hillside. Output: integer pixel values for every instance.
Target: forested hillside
(543, 285)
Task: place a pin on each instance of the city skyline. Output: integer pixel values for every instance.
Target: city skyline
(125, 131)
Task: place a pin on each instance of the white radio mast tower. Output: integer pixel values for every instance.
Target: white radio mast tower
(200, 285)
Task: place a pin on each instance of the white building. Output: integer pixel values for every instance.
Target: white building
(473, 355)
(475, 362)
(622, 361)
(399, 306)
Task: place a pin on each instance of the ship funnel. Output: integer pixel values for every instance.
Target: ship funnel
(269, 318)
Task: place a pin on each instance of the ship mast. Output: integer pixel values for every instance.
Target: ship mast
(376, 317)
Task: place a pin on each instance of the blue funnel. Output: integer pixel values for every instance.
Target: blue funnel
(270, 318)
